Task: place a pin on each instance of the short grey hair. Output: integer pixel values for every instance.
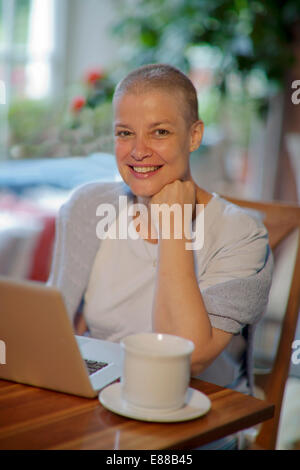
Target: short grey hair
(162, 77)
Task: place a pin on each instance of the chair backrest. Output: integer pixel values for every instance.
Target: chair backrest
(280, 220)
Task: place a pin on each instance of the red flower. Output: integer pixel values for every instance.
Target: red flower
(93, 76)
(77, 104)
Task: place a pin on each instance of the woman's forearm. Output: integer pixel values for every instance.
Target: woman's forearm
(178, 306)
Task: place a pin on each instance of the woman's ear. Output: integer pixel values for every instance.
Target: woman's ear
(197, 130)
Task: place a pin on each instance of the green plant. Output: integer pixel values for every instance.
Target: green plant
(87, 122)
(77, 125)
(249, 41)
(250, 34)
(32, 126)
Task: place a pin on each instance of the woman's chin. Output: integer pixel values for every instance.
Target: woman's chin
(142, 194)
(142, 190)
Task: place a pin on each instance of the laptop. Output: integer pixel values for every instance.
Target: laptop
(41, 348)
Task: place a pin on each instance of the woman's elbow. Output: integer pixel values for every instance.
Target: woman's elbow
(204, 356)
(198, 365)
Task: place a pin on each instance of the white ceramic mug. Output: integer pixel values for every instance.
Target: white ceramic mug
(156, 370)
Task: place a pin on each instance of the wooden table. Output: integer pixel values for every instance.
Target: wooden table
(33, 418)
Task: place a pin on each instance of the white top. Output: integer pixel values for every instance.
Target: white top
(119, 296)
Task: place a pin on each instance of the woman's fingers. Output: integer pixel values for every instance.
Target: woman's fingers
(180, 192)
(172, 207)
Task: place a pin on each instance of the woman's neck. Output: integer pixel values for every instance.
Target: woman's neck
(145, 200)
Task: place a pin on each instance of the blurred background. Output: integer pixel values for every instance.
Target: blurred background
(59, 63)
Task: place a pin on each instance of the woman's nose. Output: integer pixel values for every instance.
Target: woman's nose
(140, 149)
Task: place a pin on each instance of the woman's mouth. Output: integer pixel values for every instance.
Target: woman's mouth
(144, 171)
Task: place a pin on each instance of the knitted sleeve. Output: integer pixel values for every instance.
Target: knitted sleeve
(76, 241)
(238, 302)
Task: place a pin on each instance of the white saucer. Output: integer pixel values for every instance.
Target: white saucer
(196, 404)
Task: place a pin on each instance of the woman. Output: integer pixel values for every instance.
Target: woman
(210, 295)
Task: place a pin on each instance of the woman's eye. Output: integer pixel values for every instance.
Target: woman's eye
(161, 132)
(123, 133)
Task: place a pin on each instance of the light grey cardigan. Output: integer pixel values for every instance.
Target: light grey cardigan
(76, 246)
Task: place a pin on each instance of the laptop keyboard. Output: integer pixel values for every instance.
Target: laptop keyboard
(94, 366)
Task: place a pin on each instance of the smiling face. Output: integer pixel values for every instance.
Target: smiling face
(153, 140)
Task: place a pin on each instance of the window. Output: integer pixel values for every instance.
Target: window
(31, 50)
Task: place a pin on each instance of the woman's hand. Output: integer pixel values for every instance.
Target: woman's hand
(179, 193)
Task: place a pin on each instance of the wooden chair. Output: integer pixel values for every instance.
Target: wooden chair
(281, 220)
